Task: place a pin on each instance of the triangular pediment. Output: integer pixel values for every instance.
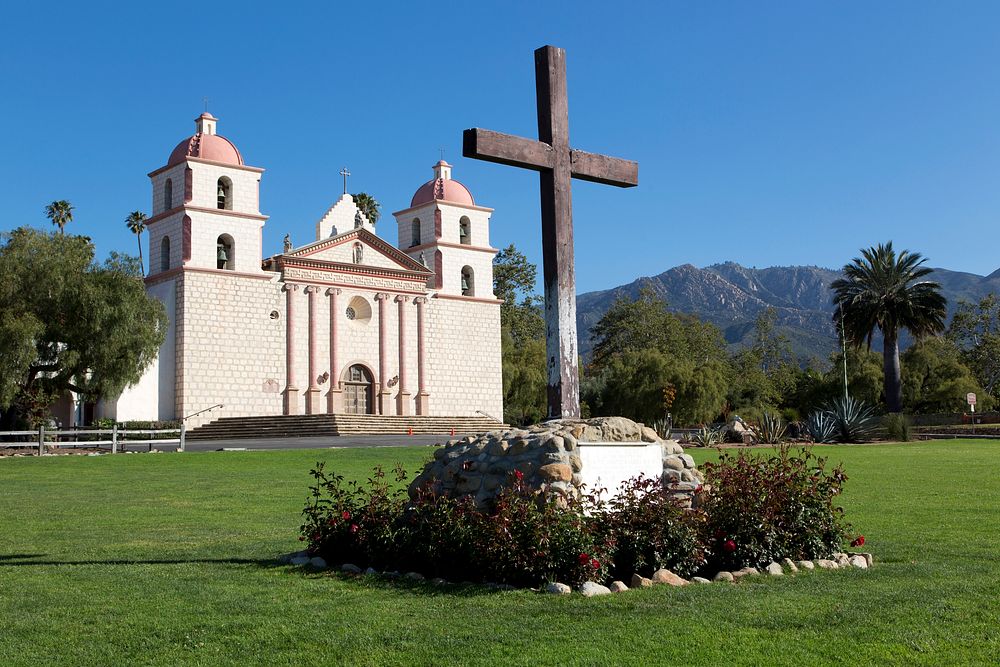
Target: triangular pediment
(343, 249)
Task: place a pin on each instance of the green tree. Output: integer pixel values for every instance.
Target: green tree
(369, 206)
(936, 380)
(136, 223)
(522, 329)
(975, 329)
(885, 291)
(60, 212)
(765, 373)
(67, 323)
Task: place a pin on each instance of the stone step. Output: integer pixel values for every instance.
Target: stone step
(265, 426)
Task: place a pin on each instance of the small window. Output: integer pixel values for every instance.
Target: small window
(165, 254)
(468, 282)
(224, 194)
(168, 195)
(465, 231)
(358, 310)
(225, 253)
(415, 232)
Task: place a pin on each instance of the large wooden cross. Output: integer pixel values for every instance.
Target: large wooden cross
(557, 163)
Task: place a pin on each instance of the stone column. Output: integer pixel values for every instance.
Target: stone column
(334, 397)
(422, 395)
(312, 393)
(384, 402)
(403, 396)
(291, 401)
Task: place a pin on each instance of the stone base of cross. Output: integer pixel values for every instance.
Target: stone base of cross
(557, 164)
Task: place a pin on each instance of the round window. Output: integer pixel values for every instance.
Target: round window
(351, 314)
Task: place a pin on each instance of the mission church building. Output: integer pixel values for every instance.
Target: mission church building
(345, 324)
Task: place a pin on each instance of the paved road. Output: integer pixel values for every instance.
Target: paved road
(318, 442)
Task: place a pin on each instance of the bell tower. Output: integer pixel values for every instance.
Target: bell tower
(206, 207)
(446, 230)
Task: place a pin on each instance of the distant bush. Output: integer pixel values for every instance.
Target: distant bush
(855, 420)
(897, 427)
(763, 509)
(770, 429)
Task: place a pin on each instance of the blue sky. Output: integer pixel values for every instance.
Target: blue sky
(766, 133)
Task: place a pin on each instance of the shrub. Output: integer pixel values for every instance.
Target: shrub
(770, 430)
(855, 421)
(766, 508)
(650, 530)
(897, 427)
(821, 427)
(707, 436)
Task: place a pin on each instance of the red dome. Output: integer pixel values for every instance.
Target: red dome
(207, 147)
(443, 188)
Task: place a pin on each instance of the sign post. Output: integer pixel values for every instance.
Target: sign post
(971, 398)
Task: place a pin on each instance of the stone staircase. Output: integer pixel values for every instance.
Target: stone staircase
(291, 426)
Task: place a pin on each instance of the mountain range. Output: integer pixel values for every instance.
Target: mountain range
(731, 296)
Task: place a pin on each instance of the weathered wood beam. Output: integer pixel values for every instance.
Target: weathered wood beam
(507, 149)
(604, 169)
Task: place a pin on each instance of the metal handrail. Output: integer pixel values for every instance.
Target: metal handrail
(489, 416)
(195, 414)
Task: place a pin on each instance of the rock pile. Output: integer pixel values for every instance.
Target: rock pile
(545, 456)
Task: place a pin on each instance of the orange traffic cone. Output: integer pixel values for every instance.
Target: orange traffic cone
(453, 431)
(409, 431)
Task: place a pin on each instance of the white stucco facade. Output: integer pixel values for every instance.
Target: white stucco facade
(345, 323)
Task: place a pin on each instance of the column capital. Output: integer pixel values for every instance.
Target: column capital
(289, 287)
(420, 300)
(312, 289)
(401, 298)
(333, 291)
(382, 296)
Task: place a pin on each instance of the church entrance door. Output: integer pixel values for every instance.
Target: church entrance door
(358, 398)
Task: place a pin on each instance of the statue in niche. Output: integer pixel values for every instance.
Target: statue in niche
(423, 259)
(287, 243)
(333, 231)
(358, 220)
(359, 251)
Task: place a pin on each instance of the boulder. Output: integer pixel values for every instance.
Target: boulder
(414, 576)
(745, 572)
(299, 560)
(806, 564)
(556, 588)
(350, 568)
(790, 565)
(617, 587)
(317, 562)
(859, 562)
(371, 571)
(665, 576)
(700, 580)
(826, 564)
(724, 576)
(556, 472)
(591, 588)
(774, 570)
(639, 581)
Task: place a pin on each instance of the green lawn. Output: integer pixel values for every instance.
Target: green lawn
(168, 559)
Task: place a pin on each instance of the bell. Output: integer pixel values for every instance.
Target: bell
(465, 284)
(223, 257)
(222, 192)
(463, 232)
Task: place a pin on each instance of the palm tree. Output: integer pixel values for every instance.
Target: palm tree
(136, 222)
(884, 290)
(368, 205)
(59, 212)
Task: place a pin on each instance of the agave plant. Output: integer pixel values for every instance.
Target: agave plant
(707, 437)
(662, 427)
(855, 421)
(771, 430)
(821, 426)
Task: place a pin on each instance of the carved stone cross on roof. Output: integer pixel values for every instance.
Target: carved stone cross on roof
(557, 163)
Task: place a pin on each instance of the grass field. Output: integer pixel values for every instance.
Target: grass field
(168, 559)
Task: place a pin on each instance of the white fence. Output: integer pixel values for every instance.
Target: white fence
(119, 439)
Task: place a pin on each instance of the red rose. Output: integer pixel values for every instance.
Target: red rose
(698, 488)
(594, 563)
(332, 520)
(354, 528)
(346, 515)
(858, 541)
(518, 475)
(729, 546)
(584, 559)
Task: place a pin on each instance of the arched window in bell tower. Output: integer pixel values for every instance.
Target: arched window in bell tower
(465, 231)
(168, 195)
(165, 254)
(224, 194)
(225, 253)
(415, 232)
(468, 282)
